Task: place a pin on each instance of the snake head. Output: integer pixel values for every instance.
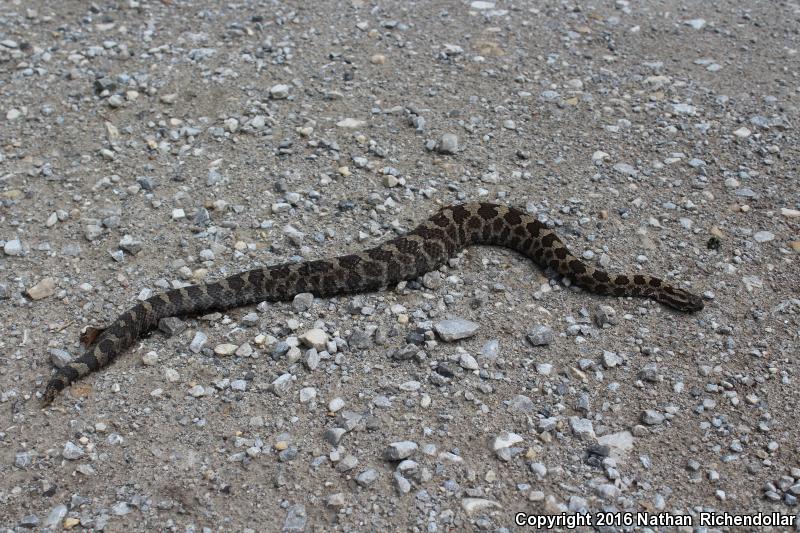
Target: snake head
(679, 299)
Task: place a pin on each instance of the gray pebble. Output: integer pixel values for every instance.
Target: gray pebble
(432, 280)
(360, 339)
(250, 319)
(307, 394)
(334, 435)
(279, 92)
(649, 373)
(400, 450)
(214, 177)
(348, 463)
(55, 516)
(295, 519)
(367, 477)
(335, 404)
(244, 350)
(288, 455)
(336, 500)
(626, 169)
(71, 250)
(521, 403)
(611, 359)
(171, 325)
(59, 358)
(401, 483)
(199, 54)
(459, 328)
(303, 301)
(281, 384)
(258, 122)
(581, 427)
(29, 521)
(604, 315)
(539, 469)
(130, 245)
(13, 247)
(312, 359)
(491, 349)
(201, 217)
(349, 420)
(22, 459)
(145, 182)
(541, 335)
(763, 236)
(448, 143)
(120, 508)
(468, 362)
(607, 491)
(198, 341)
(72, 451)
(684, 109)
(652, 417)
(697, 24)
(381, 401)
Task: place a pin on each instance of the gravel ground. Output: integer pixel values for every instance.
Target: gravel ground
(149, 144)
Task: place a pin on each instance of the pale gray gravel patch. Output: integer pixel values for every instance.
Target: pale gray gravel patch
(159, 125)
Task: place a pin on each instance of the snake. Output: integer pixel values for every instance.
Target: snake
(405, 257)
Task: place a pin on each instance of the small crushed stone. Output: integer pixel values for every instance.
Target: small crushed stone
(149, 145)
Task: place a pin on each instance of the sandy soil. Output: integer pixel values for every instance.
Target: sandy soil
(150, 144)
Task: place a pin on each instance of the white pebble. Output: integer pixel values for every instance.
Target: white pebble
(150, 358)
(742, 133)
(335, 404)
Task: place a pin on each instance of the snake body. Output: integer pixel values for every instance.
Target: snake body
(407, 257)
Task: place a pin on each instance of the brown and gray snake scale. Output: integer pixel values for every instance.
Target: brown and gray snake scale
(403, 258)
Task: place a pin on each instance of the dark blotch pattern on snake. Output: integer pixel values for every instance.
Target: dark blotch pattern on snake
(407, 257)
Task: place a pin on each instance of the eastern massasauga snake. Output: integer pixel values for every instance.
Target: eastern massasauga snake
(407, 257)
